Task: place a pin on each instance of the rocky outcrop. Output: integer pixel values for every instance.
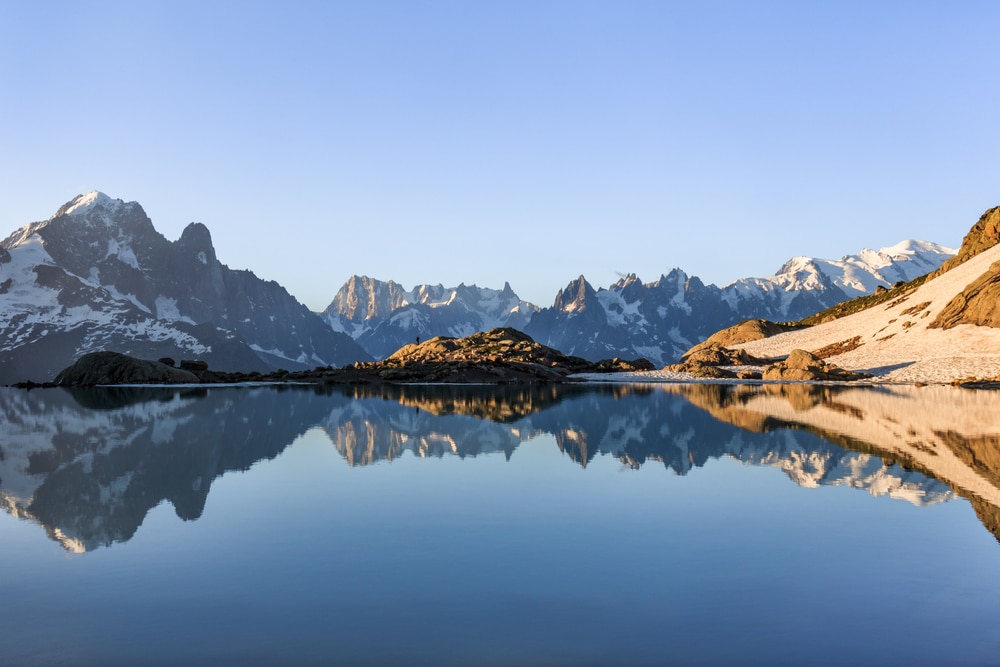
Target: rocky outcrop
(743, 332)
(498, 356)
(979, 303)
(984, 235)
(802, 365)
(709, 359)
(114, 368)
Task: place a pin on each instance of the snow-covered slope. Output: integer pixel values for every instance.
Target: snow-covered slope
(896, 342)
(97, 275)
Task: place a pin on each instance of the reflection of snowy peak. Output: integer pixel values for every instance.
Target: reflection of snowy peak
(383, 317)
(88, 465)
(635, 429)
(97, 275)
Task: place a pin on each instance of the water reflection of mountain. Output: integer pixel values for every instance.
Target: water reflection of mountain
(949, 433)
(88, 466)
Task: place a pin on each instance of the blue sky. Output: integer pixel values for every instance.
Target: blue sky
(442, 142)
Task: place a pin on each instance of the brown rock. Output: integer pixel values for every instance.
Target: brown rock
(744, 332)
(984, 235)
(978, 303)
(805, 366)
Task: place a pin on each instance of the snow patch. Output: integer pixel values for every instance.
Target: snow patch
(166, 309)
(84, 203)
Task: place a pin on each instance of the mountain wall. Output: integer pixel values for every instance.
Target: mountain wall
(98, 276)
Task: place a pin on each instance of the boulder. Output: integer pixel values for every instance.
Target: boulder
(978, 303)
(744, 332)
(705, 361)
(805, 366)
(112, 368)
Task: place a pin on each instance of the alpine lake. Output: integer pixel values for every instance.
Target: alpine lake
(574, 524)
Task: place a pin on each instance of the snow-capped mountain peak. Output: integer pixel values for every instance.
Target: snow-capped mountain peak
(83, 204)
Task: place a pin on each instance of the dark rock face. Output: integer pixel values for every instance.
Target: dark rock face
(106, 368)
(119, 284)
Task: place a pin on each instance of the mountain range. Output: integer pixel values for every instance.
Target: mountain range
(98, 276)
(629, 319)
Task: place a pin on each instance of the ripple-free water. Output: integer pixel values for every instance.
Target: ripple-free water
(490, 526)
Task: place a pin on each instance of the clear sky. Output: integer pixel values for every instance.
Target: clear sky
(478, 142)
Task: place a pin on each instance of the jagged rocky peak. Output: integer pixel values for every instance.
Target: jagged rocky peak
(675, 278)
(626, 280)
(197, 240)
(363, 298)
(575, 296)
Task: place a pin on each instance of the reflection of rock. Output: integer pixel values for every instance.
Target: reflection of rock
(90, 473)
(948, 433)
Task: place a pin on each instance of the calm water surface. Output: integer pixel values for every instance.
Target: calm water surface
(688, 525)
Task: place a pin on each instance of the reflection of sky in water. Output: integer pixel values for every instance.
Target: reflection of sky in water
(532, 559)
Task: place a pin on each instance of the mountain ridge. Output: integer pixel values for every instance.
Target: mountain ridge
(658, 320)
